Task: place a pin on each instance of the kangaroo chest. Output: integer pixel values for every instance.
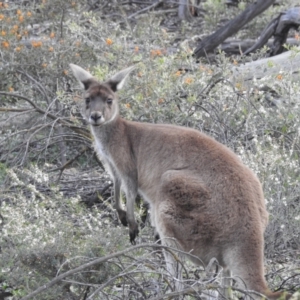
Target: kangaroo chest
(100, 149)
(105, 157)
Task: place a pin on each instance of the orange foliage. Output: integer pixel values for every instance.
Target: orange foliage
(109, 41)
(5, 44)
(36, 44)
(178, 73)
(188, 80)
(156, 52)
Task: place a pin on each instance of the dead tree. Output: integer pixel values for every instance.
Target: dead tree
(214, 40)
(279, 28)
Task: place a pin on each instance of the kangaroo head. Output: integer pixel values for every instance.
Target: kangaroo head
(101, 102)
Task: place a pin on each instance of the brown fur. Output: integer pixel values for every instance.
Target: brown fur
(202, 198)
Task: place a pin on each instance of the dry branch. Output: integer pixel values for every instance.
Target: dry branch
(153, 5)
(81, 131)
(11, 109)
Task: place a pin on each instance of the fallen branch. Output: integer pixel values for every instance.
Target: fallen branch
(287, 62)
(239, 47)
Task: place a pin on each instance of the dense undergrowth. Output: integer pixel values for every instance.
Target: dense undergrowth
(56, 212)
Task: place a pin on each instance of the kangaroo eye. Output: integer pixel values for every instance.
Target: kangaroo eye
(87, 100)
(109, 100)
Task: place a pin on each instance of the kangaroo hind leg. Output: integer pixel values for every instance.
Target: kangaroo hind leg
(184, 210)
(184, 190)
(182, 198)
(246, 265)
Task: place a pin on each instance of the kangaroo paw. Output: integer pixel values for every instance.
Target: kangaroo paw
(123, 217)
(133, 232)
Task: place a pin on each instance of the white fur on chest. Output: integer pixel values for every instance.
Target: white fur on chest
(98, 146)
(104, 156)
(100, 149)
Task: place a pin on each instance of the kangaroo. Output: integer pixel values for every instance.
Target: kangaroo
(203, 199)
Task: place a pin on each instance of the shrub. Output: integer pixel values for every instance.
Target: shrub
(47, 168)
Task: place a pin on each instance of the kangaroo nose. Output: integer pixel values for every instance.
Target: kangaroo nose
(95, 116)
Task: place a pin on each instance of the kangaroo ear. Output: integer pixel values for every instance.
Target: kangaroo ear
(83, 76)
(117, 81)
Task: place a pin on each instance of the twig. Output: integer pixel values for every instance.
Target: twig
(106, 188)
(69, 162)
(40, 127)
(62, 24)
(40, 87)
(10, 109)
(202, 289)
(61, 168)
(285, 280)
(112, 280)
(19, 96)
